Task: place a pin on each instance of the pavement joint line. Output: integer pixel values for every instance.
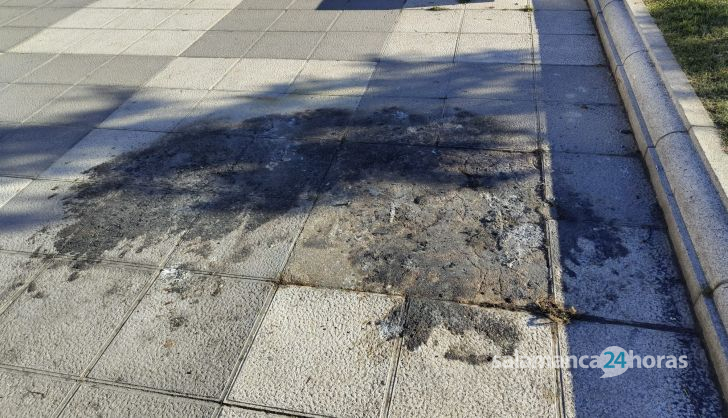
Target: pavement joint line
(561, 399)
(287, 412)
(15, 295)
(249, 340)
(395, 362)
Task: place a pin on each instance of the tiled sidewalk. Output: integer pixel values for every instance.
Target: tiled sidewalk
(325, 208)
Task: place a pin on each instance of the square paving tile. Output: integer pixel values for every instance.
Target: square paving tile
(10, 37)
(266, 76)
(333, 78)
(654, 391)
(96, 148)
(603, 188)
(88, 18)
(491, 81)
(154, 110)
(306, 328)
(396, 120)
(393, 79)
(350, 46)
(496, 21)
(447, 367)
(305, 21)
(222, 44)
(365, 20)
(553, 22)
(192, 73)
(94, 399)
(19, 101)
(418, 47)
(17, 65)
(235, 412)
(429, 21)
(248, 20)
(291, 45)
(621, 273)
(318, 4)
(213, 4)
(129, 71)
(189, 329)
(375, 4)
(52, 40)
(41, 17)
(427, 4)
(107, 41)
(494, 48)
(609, 132)
(31, 395)
(81, 106)
(193, 20)
(265, 4)
(71, 313)
(490, 124)
(140, 19)
(577, 84)
(65, 69)
(401, 219)
(497, 4)
(17, 271)
(148, 4)
(568, 50)
(8, 14)
(10, 186)
(164, 42)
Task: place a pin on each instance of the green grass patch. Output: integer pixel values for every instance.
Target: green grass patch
(697, 33)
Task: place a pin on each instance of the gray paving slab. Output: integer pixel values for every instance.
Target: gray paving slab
(427, 4)
(25, 3)
(496, 21)
(140, 19)
(90, 18)
(222, 44)
(494, 48)
(235, 412)
(576, 84)
(56, 41)
(305, 328)
(106, 41)
(365, 20)
(497, 4)
(398, 79)
(7, 14)
(19, 101)
(18, 65)
(653, 391)
(82, 106)
(164, 43)
(192, 73)
(154, 110)
(349, 78)
(264, 4)
(28, 150)
(413, 121)
(26, 395)
(446, 366)
(189, 329)
(351, 46)
(189, 19)
(265, 76)
(609, 131)
(610, 189)
(100, 400)
(10, 186)
(491, 81)
(305, 21)
(30, 219)
(9, 37)
(429, 21)
(96, 148)
(420, 47)
(560, 5)
(248, 20)
(622, 273)
(42, 17)
(65, 69)
(318, 5)
(125, 70)
(386, 222)
(490, 124)
(291, 45)
(65, 315)
(561, 22)
(568, 50)
(17, 270)
(375, 4)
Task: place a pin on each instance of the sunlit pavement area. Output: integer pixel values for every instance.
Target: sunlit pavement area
(326, 208)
